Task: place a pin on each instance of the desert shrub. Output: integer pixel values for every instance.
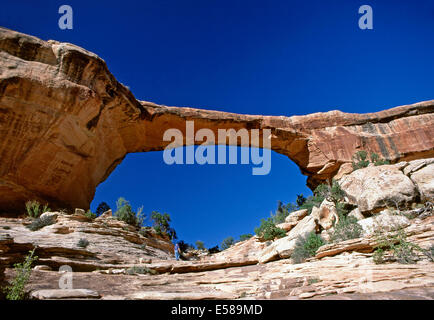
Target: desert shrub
(333, 193)
(39, 223)
(200, 245)
(268, 230)
(90, 215)
(347, 228)
(375, 159)
(429, 253)
(227, 243)
(83, 243)
(313, 280)
(143, 246)
(102, 207)
(161, 222)
(214, 249)
(34, 208)
(360, 160)
(6, 227)
(306, 247)
(125, 213)
(140, 270)
(401, 250)
(16, 290)
(245, 237)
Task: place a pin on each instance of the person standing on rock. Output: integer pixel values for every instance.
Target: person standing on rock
(177, 250)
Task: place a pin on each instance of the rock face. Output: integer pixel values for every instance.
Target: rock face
(111, 242)
(374, 188)
(66, 123)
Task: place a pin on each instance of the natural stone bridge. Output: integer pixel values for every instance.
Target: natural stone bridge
(66, 123)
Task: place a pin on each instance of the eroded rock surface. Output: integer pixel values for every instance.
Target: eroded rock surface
(66, 123)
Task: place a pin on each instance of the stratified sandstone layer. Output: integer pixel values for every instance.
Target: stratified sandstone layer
(66, 123)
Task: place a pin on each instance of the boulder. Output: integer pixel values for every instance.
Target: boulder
(385, 221)
(375, 187)
(326, 215)
(285, 226)
(356, 214)
(79, 211)
(296, 216)
(283, 247)
(64, 294)
(53, 215)
(424, 180)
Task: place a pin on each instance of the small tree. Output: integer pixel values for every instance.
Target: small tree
(16, 290)
(161, 222)
(102, 207)
(301, 199)
(200, 245)
(227, 243)
(125, 213)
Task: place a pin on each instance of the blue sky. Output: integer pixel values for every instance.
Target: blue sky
(256, 57)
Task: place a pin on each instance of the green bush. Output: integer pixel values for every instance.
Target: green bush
(83, 243)
(227, 243)
(245, 237)
(140, 270)
(125, 213)
(90, 215)
(200, 245)
(268, 230)
(375, 159)
(347, 228)
(34, 208)
(16, 290)
(402, 251)
(306, 246)
(39, 223)
(360, 160)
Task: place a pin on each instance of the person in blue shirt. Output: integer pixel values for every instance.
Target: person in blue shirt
(177, 251)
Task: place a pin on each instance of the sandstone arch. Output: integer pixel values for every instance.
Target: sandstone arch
(66, 122)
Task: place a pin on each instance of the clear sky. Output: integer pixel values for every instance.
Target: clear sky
(256, 57)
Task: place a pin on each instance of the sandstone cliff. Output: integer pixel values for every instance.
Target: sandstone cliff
(66, 123)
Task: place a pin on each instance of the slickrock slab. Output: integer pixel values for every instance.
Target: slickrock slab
(50, 294)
